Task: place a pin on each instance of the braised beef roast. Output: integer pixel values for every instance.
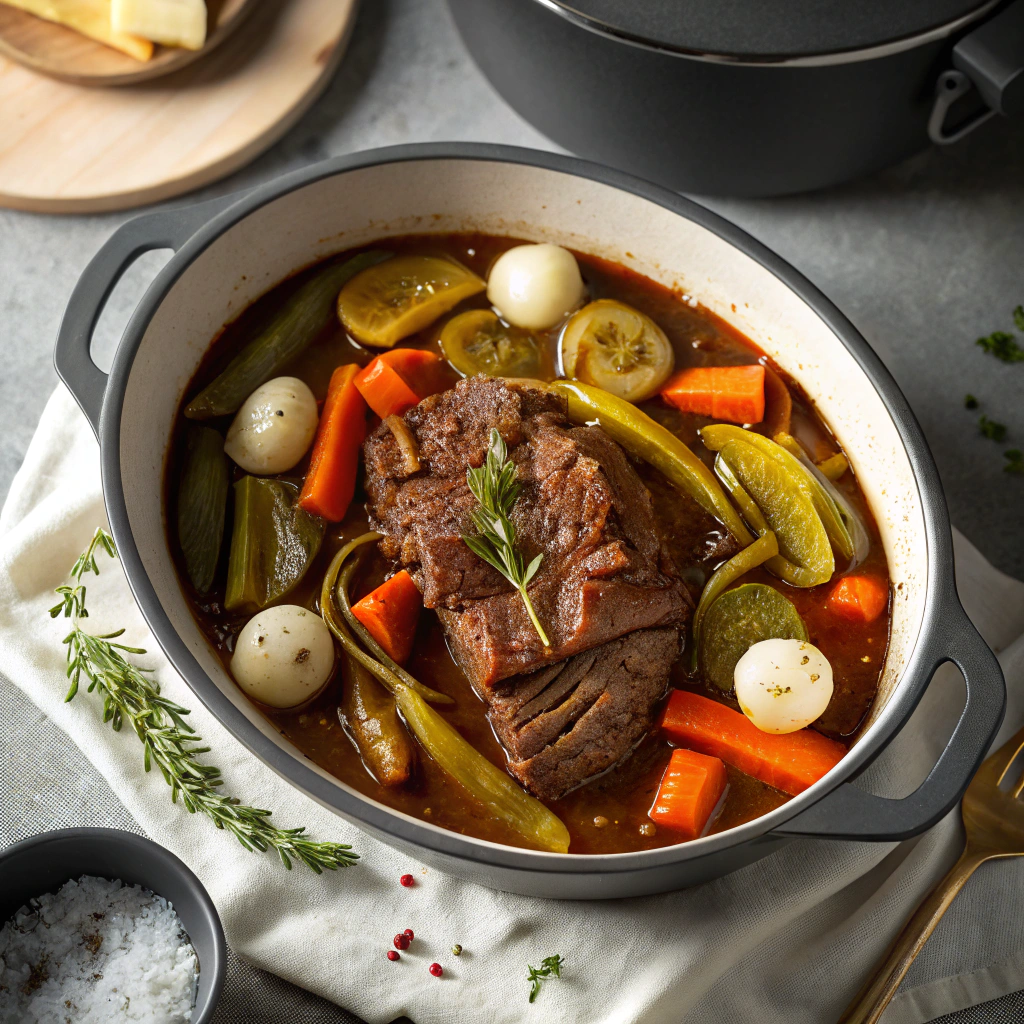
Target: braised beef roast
(606, 572)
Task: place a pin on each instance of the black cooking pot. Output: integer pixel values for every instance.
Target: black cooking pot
(747, 98)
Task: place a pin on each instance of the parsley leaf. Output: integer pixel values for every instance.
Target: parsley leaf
(970, 402)
(1014, 461)
(992, 430)
(1003, 346)
(550, 967)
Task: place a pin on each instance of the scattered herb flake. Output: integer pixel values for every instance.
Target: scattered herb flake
(1018, 318)
(550, 967)
(970, 402)
(1003, 346)
(1014, 461)
(992, 430)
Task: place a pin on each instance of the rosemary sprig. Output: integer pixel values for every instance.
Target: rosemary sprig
(129, 695)
(550, 967)
(495, 488)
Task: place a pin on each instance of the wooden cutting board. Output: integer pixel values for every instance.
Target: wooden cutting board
(74, 149)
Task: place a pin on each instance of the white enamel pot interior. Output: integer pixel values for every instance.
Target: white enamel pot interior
(229, 252)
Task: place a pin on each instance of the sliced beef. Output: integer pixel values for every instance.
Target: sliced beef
(566, 723)
(606, 571)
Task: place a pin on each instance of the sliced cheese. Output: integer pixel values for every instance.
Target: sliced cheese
(171, 22)
(91, 18)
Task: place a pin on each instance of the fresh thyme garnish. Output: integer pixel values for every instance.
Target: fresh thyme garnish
(550, 967)
(970, 402)
(1014, 461)
(991, 429)
(129, 695)
(1002, 345)
(495, 489)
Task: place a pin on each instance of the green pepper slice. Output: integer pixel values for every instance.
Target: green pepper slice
(273, 542)
(649, 440)
(289, 332)
(737, 620)
(202, 504)
(784, 506)
(753, 555)
(484, 781)
(370, 717)
(836, 520)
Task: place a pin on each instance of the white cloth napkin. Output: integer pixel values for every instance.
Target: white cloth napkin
(788, 939)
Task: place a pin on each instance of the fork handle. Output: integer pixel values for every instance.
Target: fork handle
(876, 992)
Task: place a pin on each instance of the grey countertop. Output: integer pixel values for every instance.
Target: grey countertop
(923, 258)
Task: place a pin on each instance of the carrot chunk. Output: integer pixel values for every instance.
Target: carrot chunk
(390, 614)
(791, 762)
(331, 480)
(690, 790)
(859, 598)
(732, 393)
(397, 380)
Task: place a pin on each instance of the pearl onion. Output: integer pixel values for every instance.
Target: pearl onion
(783, 685)
(535, 286)
(274, 427)
(283, 656)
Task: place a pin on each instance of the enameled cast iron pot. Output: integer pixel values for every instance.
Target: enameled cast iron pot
(230, 251)
(743, 97)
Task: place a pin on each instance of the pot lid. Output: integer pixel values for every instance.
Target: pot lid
(767, 30)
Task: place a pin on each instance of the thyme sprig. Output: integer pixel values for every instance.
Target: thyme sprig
(168, 741)
(550, 967)
(495, 488)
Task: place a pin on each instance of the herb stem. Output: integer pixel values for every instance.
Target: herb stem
(533, 617)
(168, 741)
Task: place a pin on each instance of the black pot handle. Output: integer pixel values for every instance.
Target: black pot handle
(164, 229)
(990, 61)
(850, 813)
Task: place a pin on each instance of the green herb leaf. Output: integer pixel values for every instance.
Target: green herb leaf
(992, 430)
(550, 967)
(129, 695)
(1014, 461)
(495, 488)
(1003, 346)
(1018, 318)
(970, 402)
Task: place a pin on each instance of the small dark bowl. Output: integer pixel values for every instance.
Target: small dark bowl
(45, 862)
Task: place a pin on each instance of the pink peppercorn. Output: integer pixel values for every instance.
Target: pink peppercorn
(409, 934)
(401, 941)
(408, 881)
(394, 955)
(436, 970)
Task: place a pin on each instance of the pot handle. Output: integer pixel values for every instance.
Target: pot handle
(851, 813)
(990, 60)
(164, 229)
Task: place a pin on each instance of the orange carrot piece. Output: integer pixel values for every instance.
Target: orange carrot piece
(859, 598)
(791, 762)
(331, 479)
(397, 380)
(390, 614)
(733, 393)
(690, 790)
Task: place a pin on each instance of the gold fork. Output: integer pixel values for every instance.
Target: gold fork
(994, 821)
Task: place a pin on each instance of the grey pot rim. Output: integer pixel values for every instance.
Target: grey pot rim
(827, 58)
(148, 852)
(940, 587)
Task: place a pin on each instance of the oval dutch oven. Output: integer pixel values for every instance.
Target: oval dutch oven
(230, 251)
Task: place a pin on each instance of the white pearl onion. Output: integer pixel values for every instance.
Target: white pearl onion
(535, 286)
(283, 656)
(783, 685)
(274, 427)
